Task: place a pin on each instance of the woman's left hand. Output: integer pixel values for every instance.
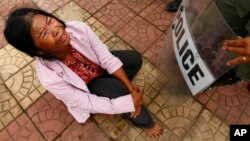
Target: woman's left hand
(241, 47)
(136, 91)
(136, 112)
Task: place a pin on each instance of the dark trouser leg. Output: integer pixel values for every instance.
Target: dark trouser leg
(113, 88)
(132, 61)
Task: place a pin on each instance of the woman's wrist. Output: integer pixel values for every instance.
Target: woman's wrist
(132, 88)
(135, 89)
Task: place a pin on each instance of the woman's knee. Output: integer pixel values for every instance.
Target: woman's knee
(108, 87)
(137, 58)
(129, 57)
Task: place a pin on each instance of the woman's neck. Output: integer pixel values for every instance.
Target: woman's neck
(67, 55)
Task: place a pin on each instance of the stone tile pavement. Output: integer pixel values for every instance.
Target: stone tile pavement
(29, 112)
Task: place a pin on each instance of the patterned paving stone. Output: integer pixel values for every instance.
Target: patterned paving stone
(50, 5)
(167, 61)
(9, 108)
(113, 127)
(21, 129)
(25, 87)
(50, 116)
(3, 42)
(175, 89)
(170, 137)
(156, 15)
(139, 34)
(244, 119)
(139, 80)
(151, 75)
(135, 134)
(178, 118)
(83, 132)
(92, 5)
(119, 129)
(152, 54)
(152, 86)
(11, 61)
(207, 127)
(231, 103)
(117, 43)
(204, 96)
(7, 6)
(101, 31)
(136, 5)
(114, 15)
(174, 93)
(70, 12)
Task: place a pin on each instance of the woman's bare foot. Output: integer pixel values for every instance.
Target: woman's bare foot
(155, 132)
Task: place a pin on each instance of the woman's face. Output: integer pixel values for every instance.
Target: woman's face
(49, 35)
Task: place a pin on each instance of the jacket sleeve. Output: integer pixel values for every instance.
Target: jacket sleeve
(107, 60)
(81, 103)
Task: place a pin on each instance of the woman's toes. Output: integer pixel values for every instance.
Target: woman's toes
(155, 132)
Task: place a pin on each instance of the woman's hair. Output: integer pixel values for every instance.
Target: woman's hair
(18, 29)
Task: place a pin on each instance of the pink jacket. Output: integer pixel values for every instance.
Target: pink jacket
(65, 85)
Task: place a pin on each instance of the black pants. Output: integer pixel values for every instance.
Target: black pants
(111, 87)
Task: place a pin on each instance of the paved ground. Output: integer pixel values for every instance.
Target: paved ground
(29, 112)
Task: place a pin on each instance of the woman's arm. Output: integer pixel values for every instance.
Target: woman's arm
(79, 102)
(122, 76)
(136, 93)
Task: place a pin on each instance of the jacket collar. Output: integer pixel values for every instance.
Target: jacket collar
(66, 73)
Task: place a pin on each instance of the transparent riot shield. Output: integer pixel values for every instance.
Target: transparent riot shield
(192, 57)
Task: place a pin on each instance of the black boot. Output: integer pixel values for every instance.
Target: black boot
(173, 6)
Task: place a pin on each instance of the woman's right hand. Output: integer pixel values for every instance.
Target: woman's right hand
(137, 95)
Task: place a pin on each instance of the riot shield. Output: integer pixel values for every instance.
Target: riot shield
(192, 56)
